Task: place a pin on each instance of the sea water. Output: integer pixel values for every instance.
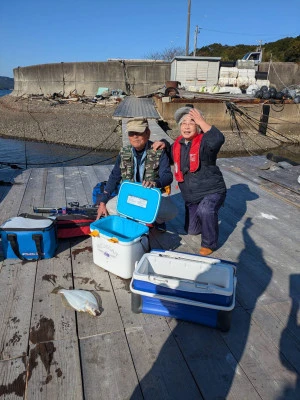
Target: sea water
(37, 155)
(27, 154)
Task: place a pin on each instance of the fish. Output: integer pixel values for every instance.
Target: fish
(80, 300)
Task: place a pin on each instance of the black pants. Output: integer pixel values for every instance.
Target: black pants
(203, 218)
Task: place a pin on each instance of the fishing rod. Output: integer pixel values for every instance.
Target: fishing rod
(74, 208)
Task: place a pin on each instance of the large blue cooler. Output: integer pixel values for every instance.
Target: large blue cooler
(29, 237)
(185, 286)
(121, 240)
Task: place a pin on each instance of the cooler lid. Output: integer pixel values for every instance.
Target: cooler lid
(137, 202)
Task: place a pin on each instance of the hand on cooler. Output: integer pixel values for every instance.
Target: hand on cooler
(102, 211)
(149, 184)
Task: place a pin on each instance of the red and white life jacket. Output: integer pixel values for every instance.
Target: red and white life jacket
(194, 156)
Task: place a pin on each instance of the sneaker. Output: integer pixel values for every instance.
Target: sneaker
(160, 227)
(205, 251)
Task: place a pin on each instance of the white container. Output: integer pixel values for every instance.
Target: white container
(173, 272)
(185, 286)
(122, 241)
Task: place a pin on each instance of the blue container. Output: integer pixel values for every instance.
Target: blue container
(185, 286)
(29, 237)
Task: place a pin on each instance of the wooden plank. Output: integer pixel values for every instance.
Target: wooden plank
(16, 292)
(7, 176)
(250, 169)
(107, 368)
(11, 204)
(288, 314)
(123, 297)
(90, 179)
(286, 177)
(55, 189)
(245, 167)
(13, 378)
(102, 172)
(214, 367)
(262, 205)
(259, 359)
(74, 186)
(53, 371)
(161, 368)
(35, 190)
(278, 326)
(48, 311)
(157, 359)
(89, 276)
(284, 194)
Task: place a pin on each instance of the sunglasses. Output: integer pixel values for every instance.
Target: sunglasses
(131, 134)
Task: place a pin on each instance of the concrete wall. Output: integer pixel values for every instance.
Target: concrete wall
(132, 76)
(282, 74)
(283, 118)
(138, 77)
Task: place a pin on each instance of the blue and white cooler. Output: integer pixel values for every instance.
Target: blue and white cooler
(119, 241)
(29, 237)
(185, 286)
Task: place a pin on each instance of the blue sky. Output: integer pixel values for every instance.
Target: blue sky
(40, 32)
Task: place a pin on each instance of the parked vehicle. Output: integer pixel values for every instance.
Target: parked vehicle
(254, 55)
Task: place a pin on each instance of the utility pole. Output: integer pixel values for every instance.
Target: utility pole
(197, 31)
(187, 45)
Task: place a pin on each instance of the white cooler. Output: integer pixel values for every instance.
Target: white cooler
(185, 286)
(124, 238)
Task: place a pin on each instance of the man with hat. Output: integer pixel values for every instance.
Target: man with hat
(138, 162)
(200, 180)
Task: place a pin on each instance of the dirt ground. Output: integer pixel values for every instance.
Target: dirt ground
(90, 125)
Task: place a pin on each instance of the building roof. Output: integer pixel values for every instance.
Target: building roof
(191, 58)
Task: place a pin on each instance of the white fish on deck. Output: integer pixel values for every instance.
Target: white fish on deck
(80, 300)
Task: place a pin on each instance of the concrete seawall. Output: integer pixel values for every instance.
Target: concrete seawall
(282, 74)
(133, 77)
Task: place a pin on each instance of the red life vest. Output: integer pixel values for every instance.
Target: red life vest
(194, 156)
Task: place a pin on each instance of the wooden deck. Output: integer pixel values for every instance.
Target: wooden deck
(51, 352)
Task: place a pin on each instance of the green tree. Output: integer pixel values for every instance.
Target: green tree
(283, 50)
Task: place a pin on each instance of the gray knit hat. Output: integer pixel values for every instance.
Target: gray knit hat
(181, 112)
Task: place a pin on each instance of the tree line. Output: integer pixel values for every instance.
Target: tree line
(283, 50)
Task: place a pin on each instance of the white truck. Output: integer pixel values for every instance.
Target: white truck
(254, 55)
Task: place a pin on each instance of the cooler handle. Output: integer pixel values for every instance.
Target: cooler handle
(38, 244)
(12, 238)
(176, 282)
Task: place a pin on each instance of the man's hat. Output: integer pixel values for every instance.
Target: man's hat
(181, 112)
(136, 125)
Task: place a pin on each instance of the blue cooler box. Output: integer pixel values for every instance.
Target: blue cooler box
(121, 240)
(29, 237)
(185, 286)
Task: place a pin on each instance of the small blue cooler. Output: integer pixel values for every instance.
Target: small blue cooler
(29, 237)
(123, 239)
(185, 286)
